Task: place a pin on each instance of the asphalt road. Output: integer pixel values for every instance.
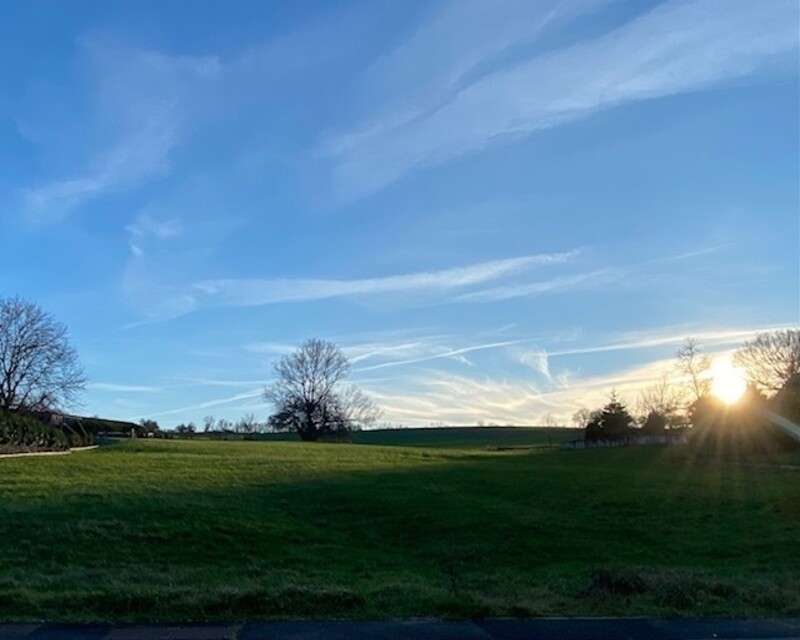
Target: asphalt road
(540, 629)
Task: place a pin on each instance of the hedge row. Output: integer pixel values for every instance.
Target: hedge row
(27, 433)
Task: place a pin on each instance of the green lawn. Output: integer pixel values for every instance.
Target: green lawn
(199, 530)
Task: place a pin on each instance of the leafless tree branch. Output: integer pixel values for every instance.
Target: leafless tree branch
(39, 369)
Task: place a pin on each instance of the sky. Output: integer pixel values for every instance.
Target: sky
(499, 209)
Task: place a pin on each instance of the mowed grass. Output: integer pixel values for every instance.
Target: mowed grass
(180, 530)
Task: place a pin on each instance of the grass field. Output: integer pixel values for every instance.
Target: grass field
(456, 437)
(201, 530)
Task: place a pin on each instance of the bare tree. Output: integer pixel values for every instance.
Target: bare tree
(660, 397)
(247, 424)
(39, 369)
(310, 398)
(208, 423)
(581, 418)
(547, 420)
(694, 366)
(771, 358)
(357, 408)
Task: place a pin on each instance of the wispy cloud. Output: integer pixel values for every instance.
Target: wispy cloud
(372, 350)
(553, 285)
(429, 395)
(218, 402)
(216, 382)
(143, 103)
(435, 396)
(271, 348)
(431, 66)
(712, 339)
(169, 302)
(146, 227)
(503, 279)
(142, 99)
(400, 348)
(677, 47)
(443, 353)
(580, 281)
(122, 388)
(536, 359)
(269, 291)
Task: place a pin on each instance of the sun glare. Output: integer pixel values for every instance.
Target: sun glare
(728, 382)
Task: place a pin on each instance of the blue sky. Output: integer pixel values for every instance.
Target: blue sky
(499, 208)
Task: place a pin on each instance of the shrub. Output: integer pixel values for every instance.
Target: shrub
(24, 432)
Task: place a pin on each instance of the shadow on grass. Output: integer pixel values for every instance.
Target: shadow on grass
(608, 532)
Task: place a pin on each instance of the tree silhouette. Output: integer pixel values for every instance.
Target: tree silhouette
(39, 369)
(613, 422)
(771, 358)
(310, 397)
(694, 366)
(615, 419)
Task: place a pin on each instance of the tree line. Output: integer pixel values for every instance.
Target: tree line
(771, 363)
(40, 373)
(246, 425)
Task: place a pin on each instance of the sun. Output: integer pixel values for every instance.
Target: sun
(728, 383)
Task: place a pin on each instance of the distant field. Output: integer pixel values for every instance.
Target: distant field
(176, 530)
(459, 437)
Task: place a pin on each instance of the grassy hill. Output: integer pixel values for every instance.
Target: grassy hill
(458, 437)
(192, 530)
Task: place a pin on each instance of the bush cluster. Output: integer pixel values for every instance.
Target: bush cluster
(17, 430)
